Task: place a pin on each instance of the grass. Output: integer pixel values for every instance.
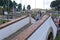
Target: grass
(3, 21)
(2, 15)
(58, 36)
(33, 15)
(55, 14)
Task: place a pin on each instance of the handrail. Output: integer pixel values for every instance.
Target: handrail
(24, 35)
(13, 21)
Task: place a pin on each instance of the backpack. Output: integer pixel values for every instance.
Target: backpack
(59, 21)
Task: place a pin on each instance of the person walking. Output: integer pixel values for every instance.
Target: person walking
(59, 22)
(38, 16)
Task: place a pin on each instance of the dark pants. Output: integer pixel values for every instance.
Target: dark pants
(37, 19)
(59, 25)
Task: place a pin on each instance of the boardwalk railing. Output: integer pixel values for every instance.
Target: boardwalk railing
(10, 27)
(39, 30)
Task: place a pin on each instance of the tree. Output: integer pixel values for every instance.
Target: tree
(57, 0)
(55, 4)
(9, 5)
(28, 7)
(1, 2)
(14, 4)
(24, 8)
(20, 7)
(6, 4)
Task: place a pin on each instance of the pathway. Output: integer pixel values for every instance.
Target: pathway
(17, 32)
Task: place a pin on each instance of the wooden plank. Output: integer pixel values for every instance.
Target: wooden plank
(13, 21)
(29, 31)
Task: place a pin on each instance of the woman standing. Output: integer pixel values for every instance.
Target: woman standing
(38, 17)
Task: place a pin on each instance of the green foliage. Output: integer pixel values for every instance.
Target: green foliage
(1, 2)
(58, 36)
(3, 21)
(20, 7)
(55, 4)
(28, 7)
(7, 5)
(33, 15)
(14, 4)
(24, 8)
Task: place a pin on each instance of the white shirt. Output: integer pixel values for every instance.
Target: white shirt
(6, 13)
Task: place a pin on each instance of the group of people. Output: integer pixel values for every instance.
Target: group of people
(57, 21)
(39, 14)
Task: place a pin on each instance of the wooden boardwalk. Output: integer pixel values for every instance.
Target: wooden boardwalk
(17, 32)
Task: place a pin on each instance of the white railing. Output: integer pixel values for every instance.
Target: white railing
(42, 32)
(39, 30)
(10, 29)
